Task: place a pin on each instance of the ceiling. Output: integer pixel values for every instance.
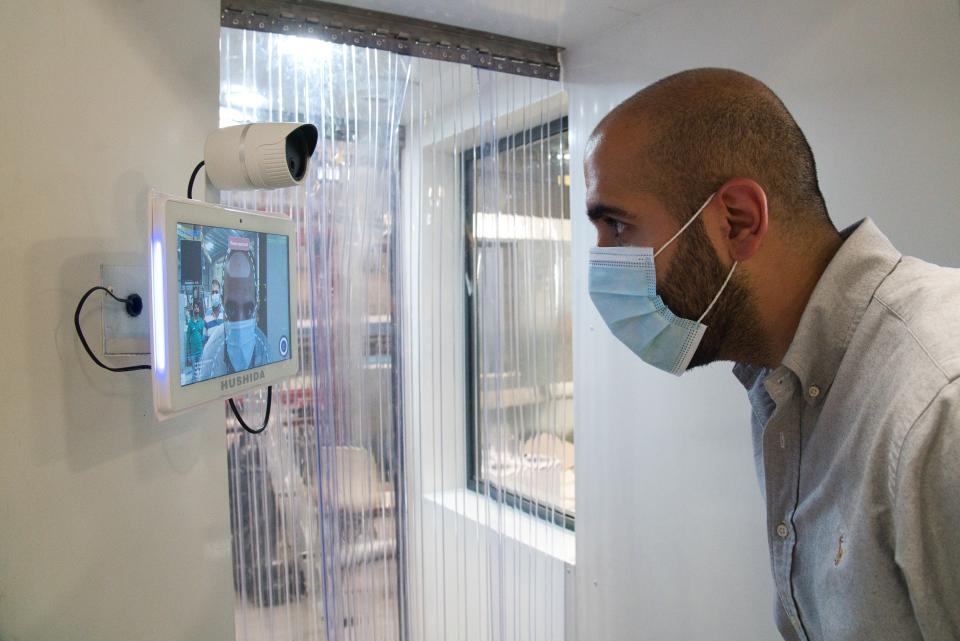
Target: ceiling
(561, 23)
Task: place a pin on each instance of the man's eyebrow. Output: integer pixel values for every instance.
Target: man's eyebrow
(602, 211)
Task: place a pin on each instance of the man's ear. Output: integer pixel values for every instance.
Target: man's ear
(743, 218)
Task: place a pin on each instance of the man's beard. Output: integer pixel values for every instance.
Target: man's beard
(695, 277)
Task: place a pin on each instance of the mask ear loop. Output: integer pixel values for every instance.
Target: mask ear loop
(677, 235)
(717, 297)
(687, 224)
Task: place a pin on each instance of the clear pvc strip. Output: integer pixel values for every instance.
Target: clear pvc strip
(414, 473)
(313, 498)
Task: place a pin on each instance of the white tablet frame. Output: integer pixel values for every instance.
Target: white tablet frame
(166, 212)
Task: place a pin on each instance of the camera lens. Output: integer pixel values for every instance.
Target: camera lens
(299, 147)
(296, 156)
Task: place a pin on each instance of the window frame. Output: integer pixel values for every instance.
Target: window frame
(545, 511)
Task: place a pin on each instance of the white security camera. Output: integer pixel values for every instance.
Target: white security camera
(259, 155)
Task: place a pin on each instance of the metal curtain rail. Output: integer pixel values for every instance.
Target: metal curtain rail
(400, 34)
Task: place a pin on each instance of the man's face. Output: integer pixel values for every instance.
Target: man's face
(689, 273)
(240, 290)
(623, 212)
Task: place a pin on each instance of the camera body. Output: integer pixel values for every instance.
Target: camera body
(259, 155)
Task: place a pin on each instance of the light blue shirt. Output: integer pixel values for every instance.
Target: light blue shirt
(857, 447)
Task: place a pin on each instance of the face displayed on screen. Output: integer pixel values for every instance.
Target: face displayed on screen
(239, 280)
(235, 290)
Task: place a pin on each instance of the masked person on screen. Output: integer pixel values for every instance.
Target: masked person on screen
(215, 317)
(714, 244)
(194, 338)
(237, 344)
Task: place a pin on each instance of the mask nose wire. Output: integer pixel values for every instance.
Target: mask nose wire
(687, 224)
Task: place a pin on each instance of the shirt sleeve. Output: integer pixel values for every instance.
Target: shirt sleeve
(927, 516)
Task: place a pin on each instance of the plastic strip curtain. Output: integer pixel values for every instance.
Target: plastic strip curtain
(382, 501)
(487, 396)
(313, 498)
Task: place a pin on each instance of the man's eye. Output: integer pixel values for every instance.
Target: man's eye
(617, 226)
(239, 311)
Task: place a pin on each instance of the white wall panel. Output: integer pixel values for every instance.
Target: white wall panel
(112, 526)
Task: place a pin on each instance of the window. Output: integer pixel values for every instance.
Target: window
(519, 357)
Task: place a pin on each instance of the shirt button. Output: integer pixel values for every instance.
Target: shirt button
(782, 531)
(814, 391)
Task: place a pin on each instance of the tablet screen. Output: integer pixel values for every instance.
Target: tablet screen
(234, 300)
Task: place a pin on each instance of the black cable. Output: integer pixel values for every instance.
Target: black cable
(129, 302)
(266, 417)
(193, 177)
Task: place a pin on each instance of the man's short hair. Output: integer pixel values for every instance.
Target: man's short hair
(708, 126)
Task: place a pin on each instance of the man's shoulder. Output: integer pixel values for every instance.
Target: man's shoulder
(215, 339)
(262, 344)
(922, 303)
(212, 356)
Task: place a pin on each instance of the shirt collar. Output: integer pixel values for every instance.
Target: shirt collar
(838, 303)
(835, 308)
(748, 374)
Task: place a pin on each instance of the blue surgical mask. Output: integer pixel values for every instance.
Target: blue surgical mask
(623, 286)
(241, 339)
(215, 299)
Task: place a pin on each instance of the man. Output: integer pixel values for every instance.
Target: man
(714, 243)
(215, 317)
(237, 344)
(194, 344)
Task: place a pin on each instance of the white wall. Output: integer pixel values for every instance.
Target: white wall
(670, 532)
(112, 526)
